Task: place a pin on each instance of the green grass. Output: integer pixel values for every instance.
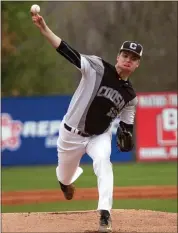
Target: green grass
(152, 204)
(125, 174)
(132, 174)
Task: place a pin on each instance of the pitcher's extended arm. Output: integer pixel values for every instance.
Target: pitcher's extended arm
(61, 46)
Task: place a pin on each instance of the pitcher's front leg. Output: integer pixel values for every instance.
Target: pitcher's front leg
(99, 149)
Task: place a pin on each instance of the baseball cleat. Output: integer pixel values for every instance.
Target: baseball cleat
(68, 190)
(105, 224)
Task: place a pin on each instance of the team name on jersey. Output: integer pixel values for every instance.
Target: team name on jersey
(113, 95)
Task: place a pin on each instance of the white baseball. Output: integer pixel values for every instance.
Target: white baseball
(35, 9)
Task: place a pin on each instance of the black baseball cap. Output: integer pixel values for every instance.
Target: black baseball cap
(133, 47)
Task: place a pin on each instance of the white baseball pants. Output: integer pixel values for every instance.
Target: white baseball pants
(71, 147)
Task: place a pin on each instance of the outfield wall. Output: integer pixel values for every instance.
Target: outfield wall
(30, 128)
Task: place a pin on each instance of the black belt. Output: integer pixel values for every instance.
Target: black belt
(77, 132)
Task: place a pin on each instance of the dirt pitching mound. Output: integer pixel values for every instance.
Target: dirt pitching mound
(87, 221)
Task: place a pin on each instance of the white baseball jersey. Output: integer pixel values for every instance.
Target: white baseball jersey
(101, 95)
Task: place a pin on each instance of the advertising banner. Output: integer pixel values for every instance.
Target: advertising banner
(30, 128)
(156, 127)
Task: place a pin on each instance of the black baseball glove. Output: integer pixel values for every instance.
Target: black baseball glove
(124, 137)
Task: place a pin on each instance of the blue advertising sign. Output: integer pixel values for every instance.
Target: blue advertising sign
(30, 128)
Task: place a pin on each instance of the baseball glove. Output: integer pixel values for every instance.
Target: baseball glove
(124, 139)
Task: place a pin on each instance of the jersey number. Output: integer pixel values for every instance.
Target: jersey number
(112, 113)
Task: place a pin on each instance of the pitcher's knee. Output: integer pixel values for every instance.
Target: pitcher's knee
(102, 157)
(102, 165)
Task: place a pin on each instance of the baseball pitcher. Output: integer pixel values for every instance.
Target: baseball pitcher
(103, 94)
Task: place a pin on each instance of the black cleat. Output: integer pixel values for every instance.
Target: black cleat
(68, 190)
(105, 224)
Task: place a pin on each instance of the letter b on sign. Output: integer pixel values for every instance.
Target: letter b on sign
(167, 127)
(169, 119)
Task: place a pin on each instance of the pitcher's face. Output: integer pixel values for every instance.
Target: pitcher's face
(127, 61)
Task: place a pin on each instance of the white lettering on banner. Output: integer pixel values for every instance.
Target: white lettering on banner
(13, 130)
(54, 127)
(29, 129)
(51, 141)
(173, 100)
(152, 100)
(155, 153)
(158, 152)
(41, 128)
(173, 152)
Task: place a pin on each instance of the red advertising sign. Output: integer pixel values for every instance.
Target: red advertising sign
(156, 127)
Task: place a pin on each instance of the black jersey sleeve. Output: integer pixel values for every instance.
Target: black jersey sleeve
(83, 62)
(70, 54)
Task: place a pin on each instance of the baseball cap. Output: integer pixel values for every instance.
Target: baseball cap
(132, 46)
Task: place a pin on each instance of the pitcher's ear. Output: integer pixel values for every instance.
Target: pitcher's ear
(138, 64)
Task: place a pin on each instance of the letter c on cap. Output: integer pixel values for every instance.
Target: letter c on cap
(133, 46)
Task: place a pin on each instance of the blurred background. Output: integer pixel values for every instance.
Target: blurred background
(92, 28)
(37, 84)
